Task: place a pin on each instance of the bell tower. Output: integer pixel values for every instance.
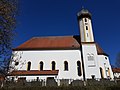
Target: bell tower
(85, 25)
(88, 48)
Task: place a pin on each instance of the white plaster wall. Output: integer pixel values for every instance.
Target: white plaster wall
(104, 63)
(91, 30)
(59, 56)
(90, 69)
(82, 33)
(87, 37)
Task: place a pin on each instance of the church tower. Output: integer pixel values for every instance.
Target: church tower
(85, 25)
(89, 55)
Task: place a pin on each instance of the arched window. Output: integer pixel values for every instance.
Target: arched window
(65, 65)
(108, 72)
(53, 65)
(29, 66)
(79, 68)
(106, 58)
(87, 35)
(101, 72)
(41, 65)
(86, 27)
(85, 20)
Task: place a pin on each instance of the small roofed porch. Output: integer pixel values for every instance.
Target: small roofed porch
(32, 75)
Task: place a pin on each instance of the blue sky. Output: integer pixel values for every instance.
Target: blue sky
(58, 18)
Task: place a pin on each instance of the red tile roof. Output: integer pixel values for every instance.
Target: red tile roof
(100, 50)
(33, 72)
(38, 43)
(116, 70)
(55, 43)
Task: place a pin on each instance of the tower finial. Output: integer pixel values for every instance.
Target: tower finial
(82, 7)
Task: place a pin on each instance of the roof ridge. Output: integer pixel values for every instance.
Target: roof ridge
(52, 36)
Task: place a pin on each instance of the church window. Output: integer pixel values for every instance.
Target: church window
(16, 63)
(29, 66)
(106, 58)
(79, 68)
(87, 35)
(41, 65)
(90, 57)
(91, 60)
(53, 65)
(66, 66)
(85, 19)
(86, 27)
(101, 72)
(108, 72)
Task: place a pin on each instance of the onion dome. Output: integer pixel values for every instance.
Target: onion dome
(84, 13)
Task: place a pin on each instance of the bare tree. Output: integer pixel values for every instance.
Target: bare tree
(117, 63)
(16, 62)
(8, 12)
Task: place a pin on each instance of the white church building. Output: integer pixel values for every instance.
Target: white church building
(62, 57)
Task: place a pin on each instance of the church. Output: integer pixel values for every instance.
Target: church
(76, 57)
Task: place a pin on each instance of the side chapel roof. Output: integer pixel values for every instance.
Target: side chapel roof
(116, 70)
(55, 43)
(33, 72)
